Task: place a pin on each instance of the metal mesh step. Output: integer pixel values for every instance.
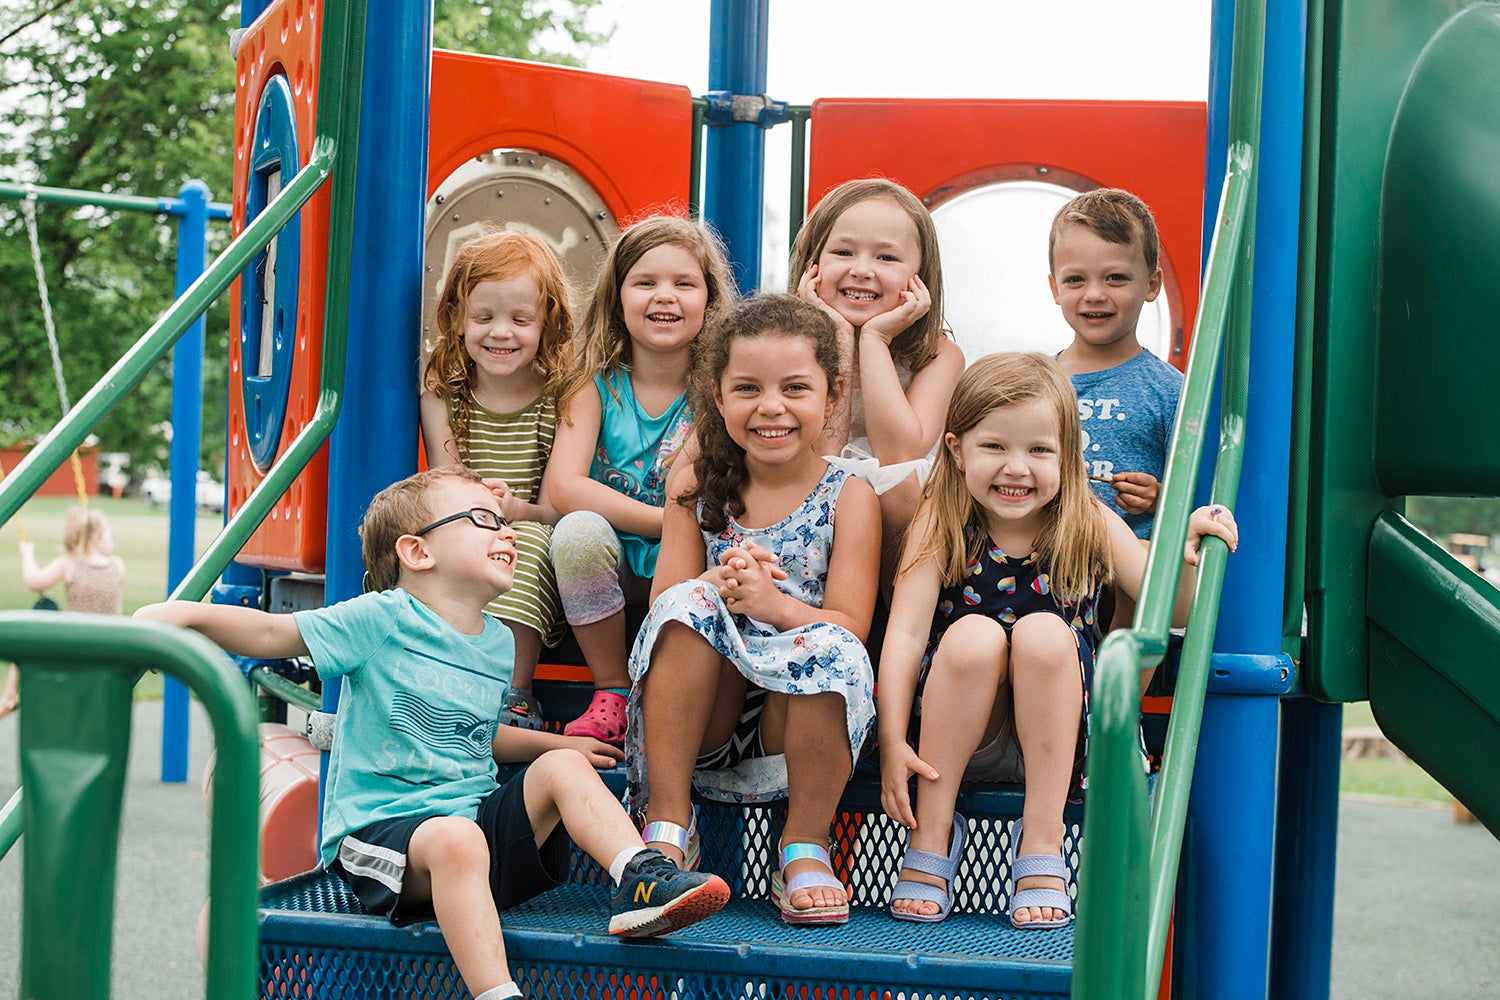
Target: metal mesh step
(316, 943)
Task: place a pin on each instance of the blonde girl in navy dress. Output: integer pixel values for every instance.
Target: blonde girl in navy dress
(992, 631)
(751, 680)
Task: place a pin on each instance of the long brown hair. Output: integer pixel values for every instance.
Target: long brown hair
(720, 465)
(497, 255)
(1073, 543)
(604, 342)
(918, 343)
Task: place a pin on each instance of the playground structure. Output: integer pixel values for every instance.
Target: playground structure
(1353, 152)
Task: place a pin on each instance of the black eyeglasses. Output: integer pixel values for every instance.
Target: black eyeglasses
(482, 517)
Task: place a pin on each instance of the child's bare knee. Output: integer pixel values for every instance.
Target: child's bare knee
(450, 843)
(1044, 632)
(564, 763)
(974, 645)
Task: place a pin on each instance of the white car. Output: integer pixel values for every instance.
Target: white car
(209, 494)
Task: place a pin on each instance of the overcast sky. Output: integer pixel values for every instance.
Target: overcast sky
(1108, 49)
(1065, 49)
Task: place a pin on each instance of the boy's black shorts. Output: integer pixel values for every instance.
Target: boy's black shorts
(372, 860)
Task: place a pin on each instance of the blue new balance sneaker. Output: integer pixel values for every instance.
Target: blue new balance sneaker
(655, 897)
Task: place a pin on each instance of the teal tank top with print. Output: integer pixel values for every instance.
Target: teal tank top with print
(634, 454)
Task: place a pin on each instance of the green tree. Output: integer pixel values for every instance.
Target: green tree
(137, 97)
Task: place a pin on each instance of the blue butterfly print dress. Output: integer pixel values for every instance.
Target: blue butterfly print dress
(807, 660)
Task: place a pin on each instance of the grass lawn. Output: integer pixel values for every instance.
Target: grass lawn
(140, 539)
(1382, 777)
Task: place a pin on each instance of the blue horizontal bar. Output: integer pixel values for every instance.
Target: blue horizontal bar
(1252, 673)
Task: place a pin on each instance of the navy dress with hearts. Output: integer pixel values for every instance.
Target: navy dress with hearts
(1008, 589)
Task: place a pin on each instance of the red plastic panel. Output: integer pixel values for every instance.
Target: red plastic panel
(283, 40)
(940, 149)
(630, 139)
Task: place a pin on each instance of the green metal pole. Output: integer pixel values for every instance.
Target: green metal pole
(103, 199)
(77, 672)
(70, 432)
(797, 208)
(695, 161)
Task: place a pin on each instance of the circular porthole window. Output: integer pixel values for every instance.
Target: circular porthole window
(521, 190)
(993, 235)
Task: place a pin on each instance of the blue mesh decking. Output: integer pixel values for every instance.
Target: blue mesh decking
(315, 942)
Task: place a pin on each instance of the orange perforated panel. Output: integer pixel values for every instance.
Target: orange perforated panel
(941, 148)
(284, 40)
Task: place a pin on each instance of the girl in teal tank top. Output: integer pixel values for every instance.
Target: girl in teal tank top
(625, 416)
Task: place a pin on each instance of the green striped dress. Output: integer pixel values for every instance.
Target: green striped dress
(515, 447)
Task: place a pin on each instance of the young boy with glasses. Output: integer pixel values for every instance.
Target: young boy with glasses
(413, 819)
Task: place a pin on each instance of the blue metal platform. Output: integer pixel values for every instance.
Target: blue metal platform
(315, 942)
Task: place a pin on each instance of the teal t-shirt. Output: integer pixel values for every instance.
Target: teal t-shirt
(417, 712)
(634, 454)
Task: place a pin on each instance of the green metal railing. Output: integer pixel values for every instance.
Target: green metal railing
(56, 643)
(1126, 880)
(336, 142)
(77, 672)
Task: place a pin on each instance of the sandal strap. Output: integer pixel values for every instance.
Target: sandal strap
(803, 849)
(941, 866)
(1033, 865)
(1027, 899)
(923, 892)
(665, 832)
(807, 880)
(929, 864)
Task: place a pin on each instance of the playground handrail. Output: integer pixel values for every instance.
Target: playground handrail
(342, 65)
(217, 210)
(70, 432)
(1127, 879)
(77, 674)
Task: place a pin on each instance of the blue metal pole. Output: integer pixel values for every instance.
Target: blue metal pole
(187, 438)
(375, 442)
(735, 155)
(1307, 821)
(1227, 912)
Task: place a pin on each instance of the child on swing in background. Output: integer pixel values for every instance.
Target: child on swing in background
(489, 402)
(93, 578)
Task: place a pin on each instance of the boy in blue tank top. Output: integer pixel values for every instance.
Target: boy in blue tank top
(414, 820)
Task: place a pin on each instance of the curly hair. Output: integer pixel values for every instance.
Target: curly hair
(1073, 543)
(917, 344)
(720, 465)
(497, 255)
(604, 342)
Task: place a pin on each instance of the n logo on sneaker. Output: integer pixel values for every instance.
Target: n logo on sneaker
(643, 892)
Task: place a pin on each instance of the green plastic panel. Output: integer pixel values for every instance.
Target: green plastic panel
(1439, 260)
(1369, 51)
(1435, 662)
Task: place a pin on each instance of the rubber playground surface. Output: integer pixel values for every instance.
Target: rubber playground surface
(1417, 910)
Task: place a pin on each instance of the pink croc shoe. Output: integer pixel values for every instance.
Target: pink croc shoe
(604, 719)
